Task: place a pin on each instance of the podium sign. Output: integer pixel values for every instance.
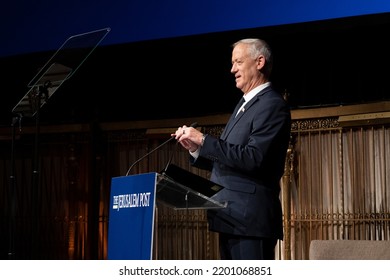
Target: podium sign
(132, 207)
(131, 217)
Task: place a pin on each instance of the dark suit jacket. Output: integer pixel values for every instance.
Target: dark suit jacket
(248, 160)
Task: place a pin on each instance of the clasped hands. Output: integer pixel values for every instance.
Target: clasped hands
(189, 137)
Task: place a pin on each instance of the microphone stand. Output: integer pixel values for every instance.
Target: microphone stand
(195, 124)
(144, 156)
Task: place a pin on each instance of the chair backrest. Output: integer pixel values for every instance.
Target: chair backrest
(349, 250)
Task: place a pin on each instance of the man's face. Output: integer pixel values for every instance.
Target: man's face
(245, 68)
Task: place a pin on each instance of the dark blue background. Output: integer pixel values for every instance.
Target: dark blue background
(29, 26)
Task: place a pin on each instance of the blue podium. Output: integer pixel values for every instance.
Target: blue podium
(131, 217)
(133, 204)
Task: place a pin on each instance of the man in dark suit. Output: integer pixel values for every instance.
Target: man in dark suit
(248, 159)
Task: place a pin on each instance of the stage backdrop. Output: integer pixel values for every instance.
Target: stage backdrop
(31, 26)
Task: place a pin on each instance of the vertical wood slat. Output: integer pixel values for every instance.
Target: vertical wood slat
(353, 186)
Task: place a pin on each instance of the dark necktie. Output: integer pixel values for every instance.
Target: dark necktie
(242, 100)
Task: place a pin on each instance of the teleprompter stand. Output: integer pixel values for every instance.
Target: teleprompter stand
(60, 67)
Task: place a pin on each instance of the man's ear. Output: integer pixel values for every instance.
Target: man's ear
(260, 62)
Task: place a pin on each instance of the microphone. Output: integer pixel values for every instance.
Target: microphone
(194, 125)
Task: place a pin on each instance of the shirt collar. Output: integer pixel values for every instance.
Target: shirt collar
(255, 91)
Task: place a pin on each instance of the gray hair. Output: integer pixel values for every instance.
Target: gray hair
(259, 47)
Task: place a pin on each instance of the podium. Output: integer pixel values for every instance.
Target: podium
(133, 204)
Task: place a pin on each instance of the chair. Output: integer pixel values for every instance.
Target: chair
(349, 250)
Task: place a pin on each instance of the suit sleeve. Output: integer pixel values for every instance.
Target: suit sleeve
(257, 142)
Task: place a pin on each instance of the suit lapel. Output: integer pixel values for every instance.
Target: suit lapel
(229, 126)
(231, 119)
(234, 119)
